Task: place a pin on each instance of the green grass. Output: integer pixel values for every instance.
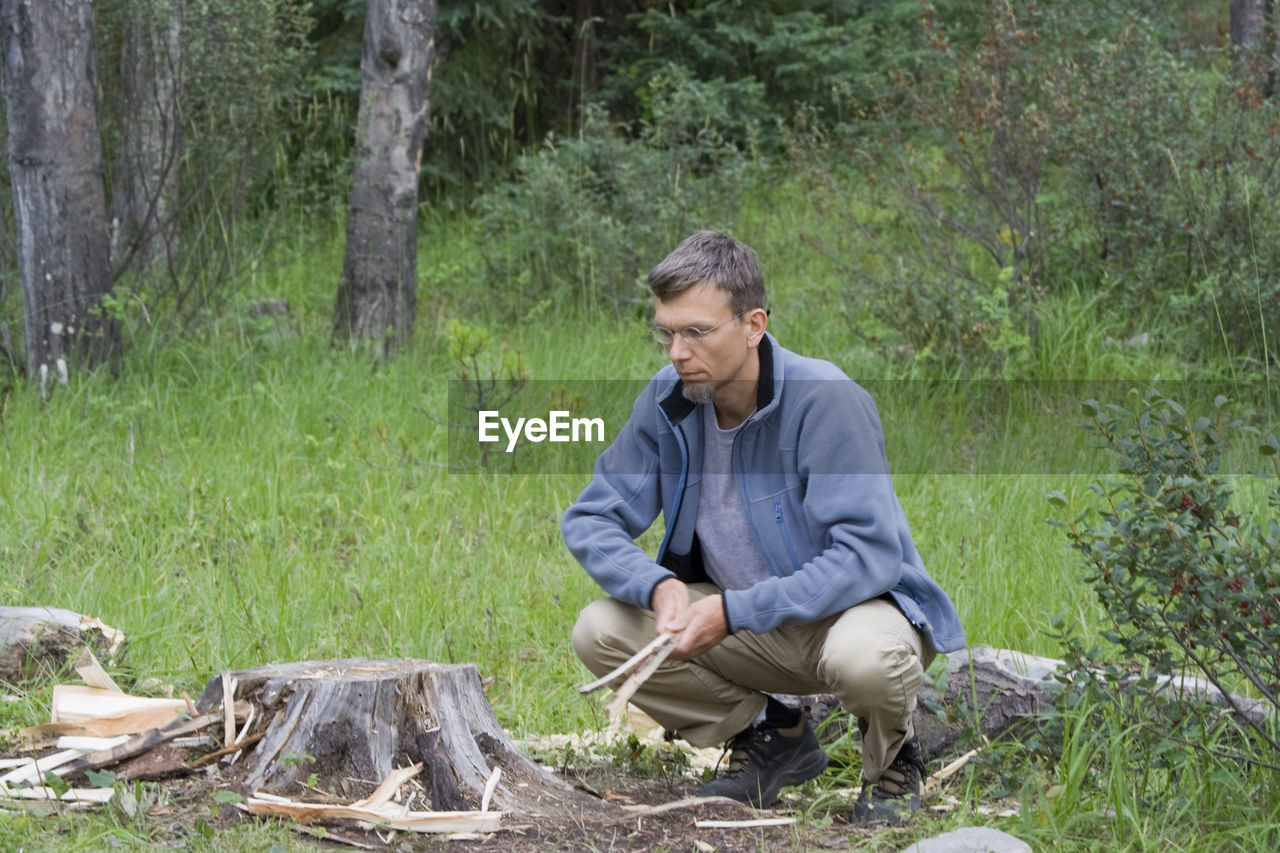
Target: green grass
(255, 496)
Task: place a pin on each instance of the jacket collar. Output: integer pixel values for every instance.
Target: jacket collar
(677, 408)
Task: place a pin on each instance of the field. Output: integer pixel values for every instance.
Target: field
(254, 495)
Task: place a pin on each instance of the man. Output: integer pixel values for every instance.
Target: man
(787, 564)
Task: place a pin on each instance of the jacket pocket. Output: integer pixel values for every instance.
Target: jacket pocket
(786, 536)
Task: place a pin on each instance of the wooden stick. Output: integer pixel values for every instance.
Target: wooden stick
(743, 824)
(632, 663)
(618, 703)
(931, 784)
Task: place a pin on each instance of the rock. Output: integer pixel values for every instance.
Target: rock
(971, 839)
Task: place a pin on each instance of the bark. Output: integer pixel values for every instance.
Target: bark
(144, 194)
(379, 290)
(351, 722)
(55, 162)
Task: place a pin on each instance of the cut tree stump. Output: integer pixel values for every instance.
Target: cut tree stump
(42, 641)
(351, 722)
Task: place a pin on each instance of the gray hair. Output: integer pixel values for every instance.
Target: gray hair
(711, 256)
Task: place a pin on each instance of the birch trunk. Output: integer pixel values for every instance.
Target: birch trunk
(379, 290)
(55, 162)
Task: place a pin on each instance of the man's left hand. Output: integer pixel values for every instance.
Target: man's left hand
(704, 628)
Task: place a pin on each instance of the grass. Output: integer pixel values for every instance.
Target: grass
(255, 496)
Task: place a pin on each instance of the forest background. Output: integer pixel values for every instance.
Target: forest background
(991, 214)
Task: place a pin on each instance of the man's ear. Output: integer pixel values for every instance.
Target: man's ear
(757, 321)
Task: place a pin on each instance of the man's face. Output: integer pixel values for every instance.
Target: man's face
(718, 357)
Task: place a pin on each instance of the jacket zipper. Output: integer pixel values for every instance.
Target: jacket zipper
(684, 478)
(786, 537)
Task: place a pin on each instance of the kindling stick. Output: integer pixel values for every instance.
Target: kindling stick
(633, 663)
(618, 703)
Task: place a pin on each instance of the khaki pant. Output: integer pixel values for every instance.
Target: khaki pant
(869, 656)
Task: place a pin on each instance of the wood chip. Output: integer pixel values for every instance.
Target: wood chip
(490, 786)
(93, 674)
(228, 718)
(388, 787)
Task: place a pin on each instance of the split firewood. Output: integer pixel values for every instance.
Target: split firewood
(72, 703)
(146, 741)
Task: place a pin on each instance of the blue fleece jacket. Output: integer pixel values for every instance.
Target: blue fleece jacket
(811, 468)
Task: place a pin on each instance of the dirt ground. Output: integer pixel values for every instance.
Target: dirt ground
(610, 810)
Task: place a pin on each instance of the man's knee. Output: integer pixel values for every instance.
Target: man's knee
(874, 675)
(596, 634)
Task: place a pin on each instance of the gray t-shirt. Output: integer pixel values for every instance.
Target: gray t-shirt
(729, 550)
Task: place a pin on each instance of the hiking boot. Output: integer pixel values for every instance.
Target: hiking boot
(762, 759)
(896, 794)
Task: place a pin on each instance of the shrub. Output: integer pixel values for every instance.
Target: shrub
(1190, 583)
(1066, 146)
(586, 216)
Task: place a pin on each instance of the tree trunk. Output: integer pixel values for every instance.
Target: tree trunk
(55, 161)
(379, 289)
(349, 723)
(1253, 33)
(143, 198)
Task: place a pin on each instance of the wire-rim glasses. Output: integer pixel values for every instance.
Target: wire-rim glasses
(691, 335)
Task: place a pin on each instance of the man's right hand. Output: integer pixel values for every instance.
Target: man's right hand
(671, 605)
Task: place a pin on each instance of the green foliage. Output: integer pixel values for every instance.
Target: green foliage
(234, 68)
(1067, 145)
(586, 216)
(1188, 582)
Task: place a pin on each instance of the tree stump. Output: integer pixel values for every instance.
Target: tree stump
(41, 641)
(342, 725)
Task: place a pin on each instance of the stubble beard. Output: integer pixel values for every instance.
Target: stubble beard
(698, 394)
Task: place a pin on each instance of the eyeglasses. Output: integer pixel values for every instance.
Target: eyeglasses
(691, 335)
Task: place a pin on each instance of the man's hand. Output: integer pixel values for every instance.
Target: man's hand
(704, 627)
(671, 605)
